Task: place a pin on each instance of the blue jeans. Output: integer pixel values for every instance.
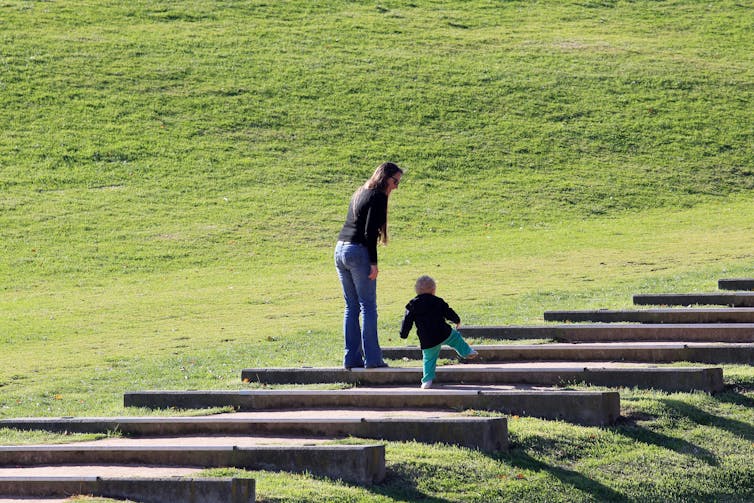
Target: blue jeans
(429, 355)
(360, 294)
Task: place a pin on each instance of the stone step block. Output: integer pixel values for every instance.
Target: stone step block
(643, 352)
(684, 379)
(484, 433)
(581, 407)
(677, 315)
(360, 464)
(736, 284)
(607, 332)
(739, 299)
(144, 490)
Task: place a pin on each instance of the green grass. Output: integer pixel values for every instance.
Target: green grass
(16, 437)
(173, 176)
(700, 443)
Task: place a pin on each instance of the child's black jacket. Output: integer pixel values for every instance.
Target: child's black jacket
(429, 312)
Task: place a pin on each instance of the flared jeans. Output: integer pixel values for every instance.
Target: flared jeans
(360, 294)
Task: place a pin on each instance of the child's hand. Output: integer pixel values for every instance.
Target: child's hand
(458, 326)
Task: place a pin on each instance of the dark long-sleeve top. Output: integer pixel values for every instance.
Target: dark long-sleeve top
(429, 313)
(367, 213)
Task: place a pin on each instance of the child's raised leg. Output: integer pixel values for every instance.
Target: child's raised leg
(456, 342)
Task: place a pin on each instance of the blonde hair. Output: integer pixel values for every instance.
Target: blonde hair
(425, 284)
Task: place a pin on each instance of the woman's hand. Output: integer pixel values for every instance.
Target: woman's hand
(373, 272)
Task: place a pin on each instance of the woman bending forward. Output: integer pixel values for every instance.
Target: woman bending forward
(356, 262)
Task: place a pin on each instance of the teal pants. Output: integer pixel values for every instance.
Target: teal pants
(430, 355)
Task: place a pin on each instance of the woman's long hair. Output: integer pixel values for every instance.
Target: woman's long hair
(379, 181)
(381, 175)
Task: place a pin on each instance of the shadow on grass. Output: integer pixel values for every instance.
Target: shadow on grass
(640, 434)
(736, 398)
(597, 490)
(699, 416)
(401, 487)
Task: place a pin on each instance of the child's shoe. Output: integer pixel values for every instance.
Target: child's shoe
(427, 385)
(473, 355)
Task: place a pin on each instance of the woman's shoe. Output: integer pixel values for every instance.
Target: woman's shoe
(381, 365)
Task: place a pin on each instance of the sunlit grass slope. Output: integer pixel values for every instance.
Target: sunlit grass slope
(173, 176)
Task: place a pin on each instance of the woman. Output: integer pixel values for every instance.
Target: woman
(356, 262)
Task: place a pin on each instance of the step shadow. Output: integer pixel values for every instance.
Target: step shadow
(699, 416)
(597, 490)
(628, 428)
(733, 396)
(402, 488)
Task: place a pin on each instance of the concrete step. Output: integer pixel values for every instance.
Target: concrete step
(739, 299)
(606, 332)
(359, 464)
(644, 352)
(685, 379)
(142, 489)
(667, 315)
(582, 407)
(484, 433)
(736, 284)
(145, 490)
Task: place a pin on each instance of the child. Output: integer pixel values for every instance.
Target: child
(429, 312)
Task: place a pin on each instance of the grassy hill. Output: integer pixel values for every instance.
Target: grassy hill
(173, 176)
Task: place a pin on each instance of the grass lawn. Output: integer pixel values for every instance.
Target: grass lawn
(173, 175)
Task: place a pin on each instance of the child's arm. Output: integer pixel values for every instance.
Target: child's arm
(408, 322)
(452, 316)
